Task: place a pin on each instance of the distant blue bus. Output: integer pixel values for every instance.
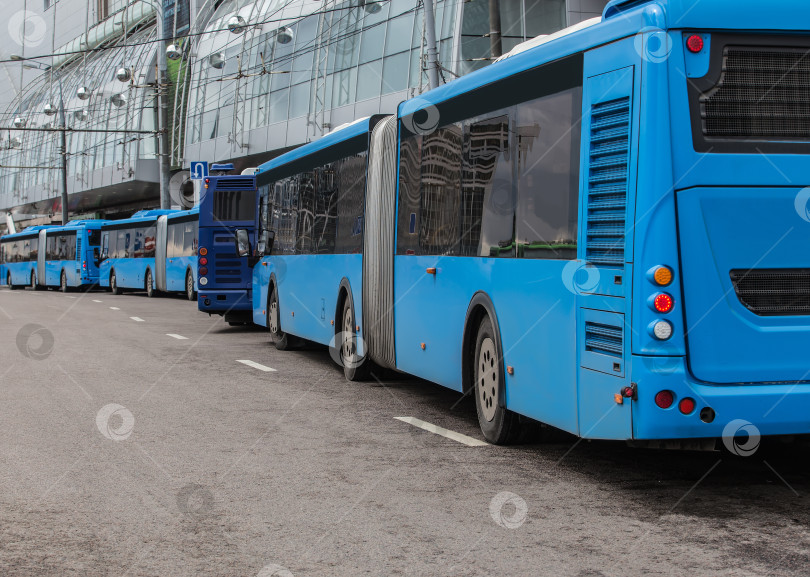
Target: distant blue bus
(154, 251)
(605, 231)
(18, 258)
(70, 258)
(227, 203)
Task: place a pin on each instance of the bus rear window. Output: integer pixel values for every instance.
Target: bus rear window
(234, 205)
(95, 237)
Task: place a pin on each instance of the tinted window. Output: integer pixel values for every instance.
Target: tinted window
(234, 205)
(94, 237)
(488, 204)
(548, 176)
(410, 160)
(189, 230)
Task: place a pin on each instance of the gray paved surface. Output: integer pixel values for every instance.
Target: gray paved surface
(124, 451)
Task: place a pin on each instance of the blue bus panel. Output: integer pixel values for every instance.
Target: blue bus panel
(18, 258)
(71, 255)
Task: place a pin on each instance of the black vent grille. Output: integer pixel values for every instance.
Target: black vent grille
(771, 292)
(604, 339)
(763, 93)
(236, 184)
(607, 182)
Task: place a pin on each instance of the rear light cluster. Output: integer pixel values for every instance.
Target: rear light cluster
(202, 280)
(665, 399)
(694, 43)
(661, 302)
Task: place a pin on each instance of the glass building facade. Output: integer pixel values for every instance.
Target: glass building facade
(285, 73)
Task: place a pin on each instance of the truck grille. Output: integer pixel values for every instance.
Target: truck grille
(763, 93)
(771, 292)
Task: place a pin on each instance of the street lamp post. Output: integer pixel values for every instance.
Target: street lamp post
(63, 154)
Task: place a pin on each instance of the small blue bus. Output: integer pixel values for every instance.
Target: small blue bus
(227, 203)
(606, 231)
(70, 258)
(18, 257)
(154, 251)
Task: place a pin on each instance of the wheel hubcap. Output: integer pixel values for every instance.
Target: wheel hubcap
(274, 317)
(488, 380)
(349, 349)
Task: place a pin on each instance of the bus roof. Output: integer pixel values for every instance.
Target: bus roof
(140, 216)
(30, 231)
(340, 134)
(183, 213)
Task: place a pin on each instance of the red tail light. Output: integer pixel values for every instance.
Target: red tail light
(664, 399)
(686, 405)
(203, 271)
(663, 303)
(694, 43)
(203, 261)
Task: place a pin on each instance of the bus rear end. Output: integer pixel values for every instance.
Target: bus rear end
(227, 203)
(722, 223)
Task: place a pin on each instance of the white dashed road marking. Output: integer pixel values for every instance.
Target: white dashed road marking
(95, 301)
(257, 366)
(137, 319)
(178, 337)
(115, 308)
(458, 437)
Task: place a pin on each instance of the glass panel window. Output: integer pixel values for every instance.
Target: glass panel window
(368, 82)
(395, 73)
(278, 106)
(372, 41)
(488, 204)
(398, 37)
(440, 208)
(299, 100)
(548, 176)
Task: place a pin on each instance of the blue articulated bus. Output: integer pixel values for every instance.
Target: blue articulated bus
(605, 231)
(227, 203)
(18, 257)
(154, 251)
(70, 258)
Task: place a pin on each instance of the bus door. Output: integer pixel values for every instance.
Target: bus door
(42, 250)
(160, 252)
(603, 276)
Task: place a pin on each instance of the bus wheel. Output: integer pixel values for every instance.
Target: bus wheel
(114, 284)
(150, 290)
(8, 282)
(63, 285)
(34, 285)
(281, 340)
(190, 294)
(355, 368)
(499, 425)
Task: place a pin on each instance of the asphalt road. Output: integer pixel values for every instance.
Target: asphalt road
(126, 451)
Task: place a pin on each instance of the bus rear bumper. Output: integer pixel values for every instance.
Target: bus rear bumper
(220, 302)
(719, 410)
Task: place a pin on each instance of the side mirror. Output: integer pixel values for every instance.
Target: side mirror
(265, 244)
(242, 241)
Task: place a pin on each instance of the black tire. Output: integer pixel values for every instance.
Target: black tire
(63, 285)
(279, 338)
(34, 285)
(190, 292)
(354, 368)
(114, 289)
(148, 285)
(499, 425)
(8, 282)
